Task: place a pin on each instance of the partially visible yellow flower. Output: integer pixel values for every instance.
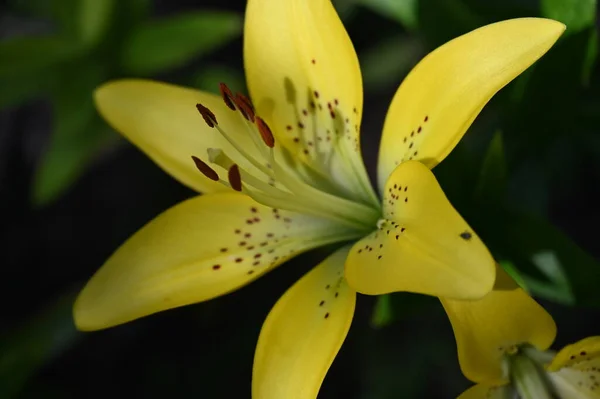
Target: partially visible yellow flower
(573, 373)
(284, 174)
(502, 343)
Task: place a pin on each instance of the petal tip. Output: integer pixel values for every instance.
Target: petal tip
(551, 27)
(104, 93)
(91, 312)
(82, 317)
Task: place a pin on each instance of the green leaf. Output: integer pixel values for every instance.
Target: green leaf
(94, 19)
(545, 257)
(540, 116)
(25, 350)
(170, 43)
(556, 288)
(78, 134)
(443, 20)
(591, 56)
(492, 182)
(346, 9)
(576, 14)
(403, 11)
(382, 313)
(400, 306)
(22, 55)
(388, 61)
(66, 158)
(21, 87)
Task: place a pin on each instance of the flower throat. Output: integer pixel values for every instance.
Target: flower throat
(273, 177)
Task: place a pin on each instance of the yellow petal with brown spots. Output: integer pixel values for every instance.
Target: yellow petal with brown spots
(421, 245)
(575, 370)
(303, 333)
(202, 248)
(304, 79)
(444, 93)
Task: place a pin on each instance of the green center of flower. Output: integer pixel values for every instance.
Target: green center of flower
(525, 368)
(273, 177)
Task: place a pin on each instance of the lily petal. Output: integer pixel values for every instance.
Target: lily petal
(485, 391)
(575, 370)
(444, 93)
(303, 333)
(304, 79)
(489, 327)
(161, 119)
(199, 249)
(422, 245)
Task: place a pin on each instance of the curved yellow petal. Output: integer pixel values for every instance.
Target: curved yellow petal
(202, 248)
(575, 370)
(578, 355)
(304, 80)
(485, 391)
(162, 120)
(442, 95)
(303, 333)
(486, 328)
(576, 384)
(422, 245)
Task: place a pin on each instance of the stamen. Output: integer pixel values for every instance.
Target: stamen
(233, 175)
(265, 132)
(218, 157)
(284, 184)
(227, 96)
(245, 107)
(207, 114)
(205, 169)
(245, 100)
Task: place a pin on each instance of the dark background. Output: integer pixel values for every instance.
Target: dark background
(48, 251)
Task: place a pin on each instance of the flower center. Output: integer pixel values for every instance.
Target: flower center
(271, 175)
(525, 367)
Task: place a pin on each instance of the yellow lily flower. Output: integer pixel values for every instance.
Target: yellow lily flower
(287, 176)
(502, 341)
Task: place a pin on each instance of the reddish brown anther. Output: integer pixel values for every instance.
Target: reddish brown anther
(209, 117)
(234, 177)
(227, 96)
(265, 132)
(245, 106)
(205, 169)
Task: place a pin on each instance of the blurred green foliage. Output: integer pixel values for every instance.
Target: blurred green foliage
(38, 341)
(92, 41)
(520, 152)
